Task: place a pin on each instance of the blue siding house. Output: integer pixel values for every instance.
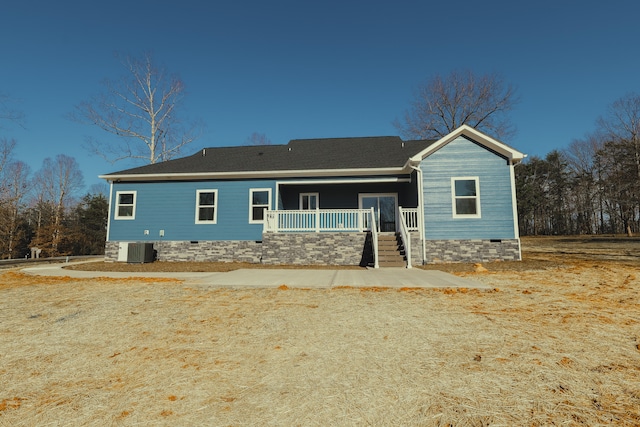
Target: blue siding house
(377, 201)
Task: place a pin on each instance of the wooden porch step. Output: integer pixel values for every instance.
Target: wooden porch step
(391, 257)
(390, 251)
(391, 263)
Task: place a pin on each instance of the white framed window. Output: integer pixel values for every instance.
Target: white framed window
(465, 195)
(206, 206)
(259, 202)
(125, 205)
(309, 201)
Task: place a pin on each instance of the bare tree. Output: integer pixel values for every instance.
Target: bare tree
(586, 186)
(258, 139)
(442, 104)
(6, 152)
(16, 184)
(622, 125)
(142, 108)
(8, 113)
(58, 179)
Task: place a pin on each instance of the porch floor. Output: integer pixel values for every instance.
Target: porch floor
(292, 278)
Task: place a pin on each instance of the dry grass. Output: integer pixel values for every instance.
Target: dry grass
(557, 345)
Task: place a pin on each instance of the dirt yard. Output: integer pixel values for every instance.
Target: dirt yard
(556, 342)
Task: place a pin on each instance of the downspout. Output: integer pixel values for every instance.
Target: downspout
(109, 211)
(514, 203)
(420, 210)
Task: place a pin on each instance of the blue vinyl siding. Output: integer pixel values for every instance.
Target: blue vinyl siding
(464, 158)
(170, 206)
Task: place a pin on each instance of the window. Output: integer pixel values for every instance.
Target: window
(466, 197)
(206, 202)
(125, 205)
(259, 201)
(309, 201)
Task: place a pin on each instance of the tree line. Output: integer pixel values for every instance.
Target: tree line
(592, 186)
(40, 210)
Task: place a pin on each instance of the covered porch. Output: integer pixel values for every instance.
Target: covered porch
(382, 210)
(390, 248)
(303, 232)
(344, 204)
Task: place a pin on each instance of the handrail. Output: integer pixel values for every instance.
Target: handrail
(374, 238)
(406, 237)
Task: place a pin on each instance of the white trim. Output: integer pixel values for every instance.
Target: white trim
(117, 205)
(345, 181)
(514, 203)
(254, 174)
(516, 223)
(251, 205)
(478, 213)
(215, 206)
(317, 195)
(109, 214)
(510, 153)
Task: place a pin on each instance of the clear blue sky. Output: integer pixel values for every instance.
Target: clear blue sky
(307, 69)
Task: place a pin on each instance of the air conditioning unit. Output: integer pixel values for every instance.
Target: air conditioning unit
(140, 253)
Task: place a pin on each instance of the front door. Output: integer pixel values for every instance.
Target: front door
(385, 207)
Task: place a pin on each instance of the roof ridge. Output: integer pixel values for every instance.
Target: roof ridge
(347, 137)
(265, 146)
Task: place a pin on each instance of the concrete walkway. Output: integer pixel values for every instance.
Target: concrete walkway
(293, 278)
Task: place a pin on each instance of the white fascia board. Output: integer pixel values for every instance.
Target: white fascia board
(344, 181)
(512, 154)
(253, 174)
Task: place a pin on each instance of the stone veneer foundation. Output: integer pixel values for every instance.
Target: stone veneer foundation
(216, 250)
(416, 248)
(325, 249)
(439, 251)
(275, 248)
(315, 248)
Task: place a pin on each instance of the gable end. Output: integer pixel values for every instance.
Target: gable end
(510, 154)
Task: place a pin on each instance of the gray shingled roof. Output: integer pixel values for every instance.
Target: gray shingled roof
(301, 154)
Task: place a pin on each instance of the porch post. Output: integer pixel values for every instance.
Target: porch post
(421, 223)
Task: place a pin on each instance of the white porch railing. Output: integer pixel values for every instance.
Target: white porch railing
(410, 216)
(317, 220)
(330, 220)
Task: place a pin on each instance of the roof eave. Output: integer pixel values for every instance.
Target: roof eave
(254, 174)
